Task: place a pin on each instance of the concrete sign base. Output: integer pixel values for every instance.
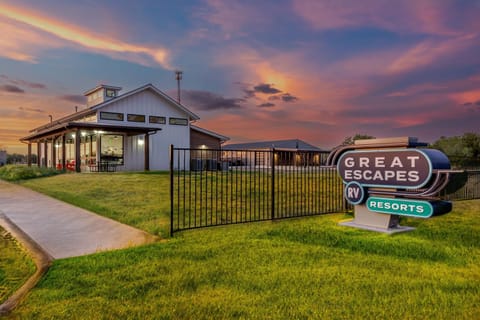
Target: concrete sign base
(397, 229)
(368, 220)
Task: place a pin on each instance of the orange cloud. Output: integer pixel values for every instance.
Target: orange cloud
(18, 48)
(22, 112)
(31, 40)
(470, 96)
(291, 72)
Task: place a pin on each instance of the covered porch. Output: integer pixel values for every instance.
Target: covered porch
(91, 147)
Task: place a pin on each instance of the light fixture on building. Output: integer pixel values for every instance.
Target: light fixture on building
(203, 146)
(141, 142)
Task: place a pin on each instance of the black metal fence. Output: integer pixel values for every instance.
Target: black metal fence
(463, 186)
(219, 187)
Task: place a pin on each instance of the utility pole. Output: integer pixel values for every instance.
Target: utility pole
(178, 76)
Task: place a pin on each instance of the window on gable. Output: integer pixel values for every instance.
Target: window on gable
(136, 117)
(178, 121)
(156, 119)
(111, 116)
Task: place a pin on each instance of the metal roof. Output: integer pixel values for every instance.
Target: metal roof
(150, 86)
(130, 130)
(210, 133)
(64, 121)
(292, 144)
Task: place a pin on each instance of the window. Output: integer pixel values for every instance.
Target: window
(135, 117)
(111, 148)
(110, 93)
(178, 121)
(111, 116)
(155, 119)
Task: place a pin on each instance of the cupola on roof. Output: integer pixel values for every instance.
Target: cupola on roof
(100, 94)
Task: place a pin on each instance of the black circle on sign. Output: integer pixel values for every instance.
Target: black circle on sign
(354, 193)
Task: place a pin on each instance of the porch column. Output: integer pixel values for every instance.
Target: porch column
(45, 153)
(29, 155)
(77, 151)
(146, 146)
(64, 153)
(54, 153)
(39, 153)
(99, 149)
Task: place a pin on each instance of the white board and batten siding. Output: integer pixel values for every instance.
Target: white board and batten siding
(148, 103)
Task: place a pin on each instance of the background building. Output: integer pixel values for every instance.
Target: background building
(293, 152)
(3, 157)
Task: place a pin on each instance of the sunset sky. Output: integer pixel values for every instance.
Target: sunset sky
(253, 70)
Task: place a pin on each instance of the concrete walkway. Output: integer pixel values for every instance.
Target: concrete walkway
(63, 230)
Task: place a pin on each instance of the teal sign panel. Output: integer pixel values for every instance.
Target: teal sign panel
(401, 207)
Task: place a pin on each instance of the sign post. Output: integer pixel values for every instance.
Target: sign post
(388, 178)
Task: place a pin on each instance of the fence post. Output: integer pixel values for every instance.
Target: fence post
(171, 189)
(273, 182)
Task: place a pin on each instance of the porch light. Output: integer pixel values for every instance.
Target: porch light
(141, 142)
(83, 133)
(203, 146)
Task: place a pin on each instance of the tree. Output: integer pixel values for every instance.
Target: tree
(451, 146)
(351, 140)
(471, 142)
(15, 158)
(463, 151)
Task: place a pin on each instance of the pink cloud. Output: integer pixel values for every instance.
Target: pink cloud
(230, 16)
(466, 96)
(430, 16)
(419, 89)
(428, 52)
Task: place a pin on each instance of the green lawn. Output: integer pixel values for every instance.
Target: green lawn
(15, 265)
(307, 268)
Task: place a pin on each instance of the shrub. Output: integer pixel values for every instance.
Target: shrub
(23, 172)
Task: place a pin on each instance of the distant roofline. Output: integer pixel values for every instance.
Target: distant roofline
(210, 133)
(296, 144)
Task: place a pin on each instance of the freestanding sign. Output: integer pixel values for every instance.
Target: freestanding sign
(388, 178)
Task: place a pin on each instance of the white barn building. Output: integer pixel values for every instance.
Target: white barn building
(121, 132)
